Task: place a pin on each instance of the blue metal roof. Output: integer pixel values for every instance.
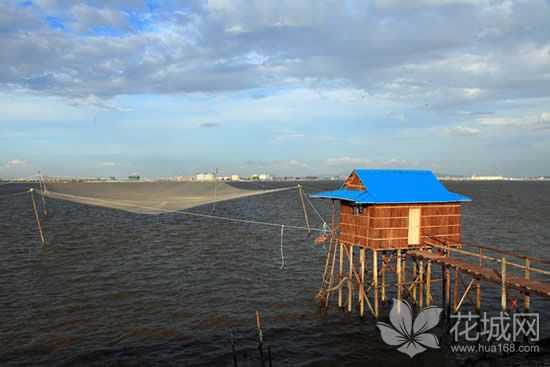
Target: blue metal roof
(394, 187)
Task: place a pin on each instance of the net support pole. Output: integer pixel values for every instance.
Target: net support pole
(42, 190)
(37, 216)
(301, 192)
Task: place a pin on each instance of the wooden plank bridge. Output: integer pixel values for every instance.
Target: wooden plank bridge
(367, 275)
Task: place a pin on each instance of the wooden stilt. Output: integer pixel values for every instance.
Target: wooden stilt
(362, 285)
(335, 249)
(375, 281)
(526, 298)
(399, 280)
(447, 291)
(38, 224)
(478, 296)
(420, 283)
(341, 275)
(503, 278)
(455, 292)
(415, 280)
(383, 276)
(350, 279)
(428, 283)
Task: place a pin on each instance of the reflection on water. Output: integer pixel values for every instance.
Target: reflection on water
(115, 288)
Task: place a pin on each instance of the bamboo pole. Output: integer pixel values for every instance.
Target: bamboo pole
(503, 278)
(447, 292)
(38, 224)
(350, 279)
(399, 280)
(362, 286)
(526, 298)
(383, 275)
(331, 274)
(42, 190)
(421, 283)
(455, 292)
(301, 191)
(428, 282)
(341, 275)
(414, 276)
(375, 281)
(478, 296)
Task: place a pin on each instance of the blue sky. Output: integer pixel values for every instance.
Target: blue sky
(165, 88)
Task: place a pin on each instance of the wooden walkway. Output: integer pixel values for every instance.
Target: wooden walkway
(483, 272)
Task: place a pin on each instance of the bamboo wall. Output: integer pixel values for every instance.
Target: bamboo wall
(387, 226)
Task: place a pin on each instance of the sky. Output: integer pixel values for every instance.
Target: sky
(165, 88)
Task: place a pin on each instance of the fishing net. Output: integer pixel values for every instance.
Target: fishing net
(148, 197)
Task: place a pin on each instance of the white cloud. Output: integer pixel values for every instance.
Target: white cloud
(108, 164)
(346, 161)
(12, 163)
(541, 120)
(464, 131)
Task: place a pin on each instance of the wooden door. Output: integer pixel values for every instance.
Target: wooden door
(414, 226)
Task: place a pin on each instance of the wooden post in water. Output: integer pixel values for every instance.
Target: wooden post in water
(42, 190)
(428, 282)
(362, 285)
(301, 192)
(399, 280)
(383, 275)
(341, 275)
(447, 291)
(38, 224)
(375, 281)
(503, 278)
(350, 278)
(526, 297)
(455, 292)
(420, 283)
(415, 280)
(478, 296)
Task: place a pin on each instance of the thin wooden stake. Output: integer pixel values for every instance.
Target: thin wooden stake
(421, 283)
(399, 280)
(362, 286)
(428, 282)
(503, 278)
(478, 296)
(350, 280)
(526, 298)
(301, 191)
(341, 275)
(38, 224)
(383, 275)
(375, 281)
(42, 190)
(455, 291)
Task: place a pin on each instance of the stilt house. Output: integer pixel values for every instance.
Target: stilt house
(396, 209)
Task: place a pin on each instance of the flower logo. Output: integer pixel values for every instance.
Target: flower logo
(412, 338)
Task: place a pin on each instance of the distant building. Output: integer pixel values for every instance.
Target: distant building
(487, 178)
(133, 178)
(235, 177)
(205, 176)
(183, 178)
(264, 177)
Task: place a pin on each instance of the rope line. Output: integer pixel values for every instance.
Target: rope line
(49, 193)
(317, 212)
